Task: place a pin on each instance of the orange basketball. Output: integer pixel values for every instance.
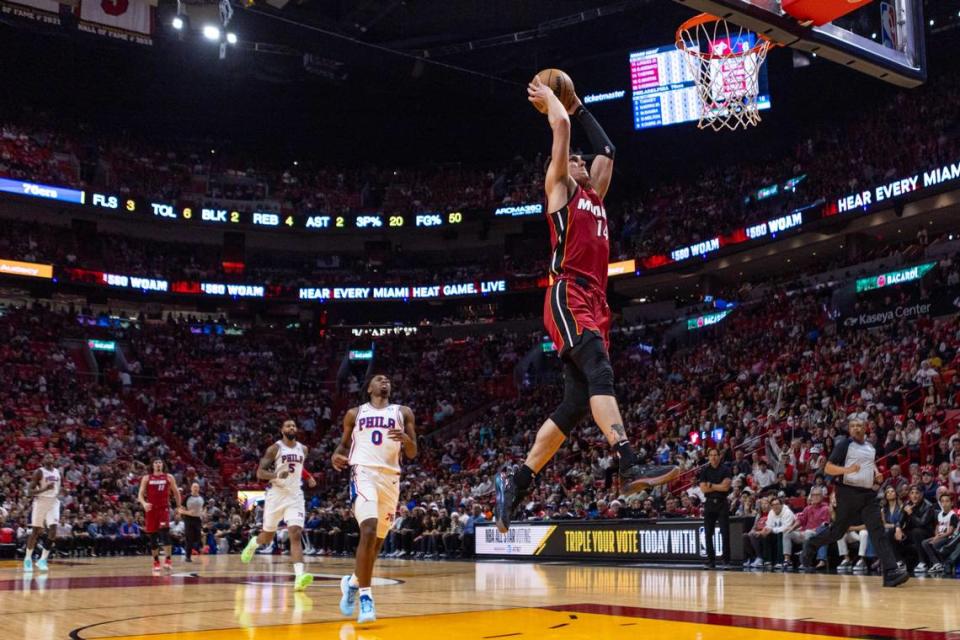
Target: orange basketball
(561, 85)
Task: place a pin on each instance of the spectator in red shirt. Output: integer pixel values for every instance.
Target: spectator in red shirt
(809, 521)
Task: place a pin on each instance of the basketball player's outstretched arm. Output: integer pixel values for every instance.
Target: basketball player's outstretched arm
(601, 170)
(558, 182)
(268, 459)
(340, 460)
(408, 437)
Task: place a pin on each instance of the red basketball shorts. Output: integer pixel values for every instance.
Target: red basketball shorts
(157, 518)
(569, 309)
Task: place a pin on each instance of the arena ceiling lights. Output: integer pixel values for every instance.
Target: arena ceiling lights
(207, 19)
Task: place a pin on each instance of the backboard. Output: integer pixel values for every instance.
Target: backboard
(884, 38)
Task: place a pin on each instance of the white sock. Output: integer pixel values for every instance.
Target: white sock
(366, 591)
(44, 554)
(354, 582)
(298, 569)
(29, 552)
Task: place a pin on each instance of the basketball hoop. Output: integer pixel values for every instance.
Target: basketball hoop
(725, 61)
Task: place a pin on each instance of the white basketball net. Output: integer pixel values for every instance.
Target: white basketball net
(725, 61)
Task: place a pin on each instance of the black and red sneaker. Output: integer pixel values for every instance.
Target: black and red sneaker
(508, 497)
(638, 477)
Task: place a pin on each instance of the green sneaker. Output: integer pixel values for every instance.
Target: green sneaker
(302, 581)
(247, 554)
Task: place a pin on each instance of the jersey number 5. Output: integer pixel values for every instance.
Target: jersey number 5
(376, 437)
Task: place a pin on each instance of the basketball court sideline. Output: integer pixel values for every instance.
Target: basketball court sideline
(219, 598)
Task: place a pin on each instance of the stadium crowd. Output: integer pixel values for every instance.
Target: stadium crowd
(779, 376)
(772, 387)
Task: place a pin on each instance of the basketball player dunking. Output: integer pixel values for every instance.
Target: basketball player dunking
(373, 436)
(282, 466)
(45, 489)
(575, 312)
(156, 489)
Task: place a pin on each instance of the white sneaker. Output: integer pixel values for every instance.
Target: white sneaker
(860, 566)
(844, 566)
(937, 568)
(920, 568)
(757, 564)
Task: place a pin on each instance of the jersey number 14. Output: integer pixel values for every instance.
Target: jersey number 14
(601, 228)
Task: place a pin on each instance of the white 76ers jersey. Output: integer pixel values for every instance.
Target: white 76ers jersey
(371, 447)
(50, 476)
(291, 460)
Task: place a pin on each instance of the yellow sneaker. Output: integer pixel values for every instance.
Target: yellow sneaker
(302, 581)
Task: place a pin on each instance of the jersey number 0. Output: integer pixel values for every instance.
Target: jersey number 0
(376, 437)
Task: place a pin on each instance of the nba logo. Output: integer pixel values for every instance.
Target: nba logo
(717, 542)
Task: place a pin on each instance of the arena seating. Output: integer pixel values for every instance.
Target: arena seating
(779, 376)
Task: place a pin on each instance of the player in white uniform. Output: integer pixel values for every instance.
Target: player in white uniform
(45, 489)
(374, 435)
(282, 466)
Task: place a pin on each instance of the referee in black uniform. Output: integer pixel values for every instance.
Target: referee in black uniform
(715, 479)
(852, 463)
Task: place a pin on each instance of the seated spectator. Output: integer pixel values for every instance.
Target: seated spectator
(928, 486)
(896, 480)
(858, 534)
(178, 531)
(892, 510)
(764, 476)
(916, 525)
(946, 526)
(780, 520)
(753, 543)
(807, 524)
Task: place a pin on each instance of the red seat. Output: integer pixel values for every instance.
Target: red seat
(7, 536)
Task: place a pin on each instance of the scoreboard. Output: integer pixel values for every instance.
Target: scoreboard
(664, 90)
(269, 219)
(312, 221)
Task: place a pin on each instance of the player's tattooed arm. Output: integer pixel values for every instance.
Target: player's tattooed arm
(269, 457)
(340, 459)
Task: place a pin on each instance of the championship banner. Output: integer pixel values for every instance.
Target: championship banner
(129, 20)
(45, 11)
(634, 540)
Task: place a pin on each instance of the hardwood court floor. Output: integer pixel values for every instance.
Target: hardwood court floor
(217, 598)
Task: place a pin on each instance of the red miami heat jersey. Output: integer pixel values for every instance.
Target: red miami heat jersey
(578, 236)
(158, 495)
